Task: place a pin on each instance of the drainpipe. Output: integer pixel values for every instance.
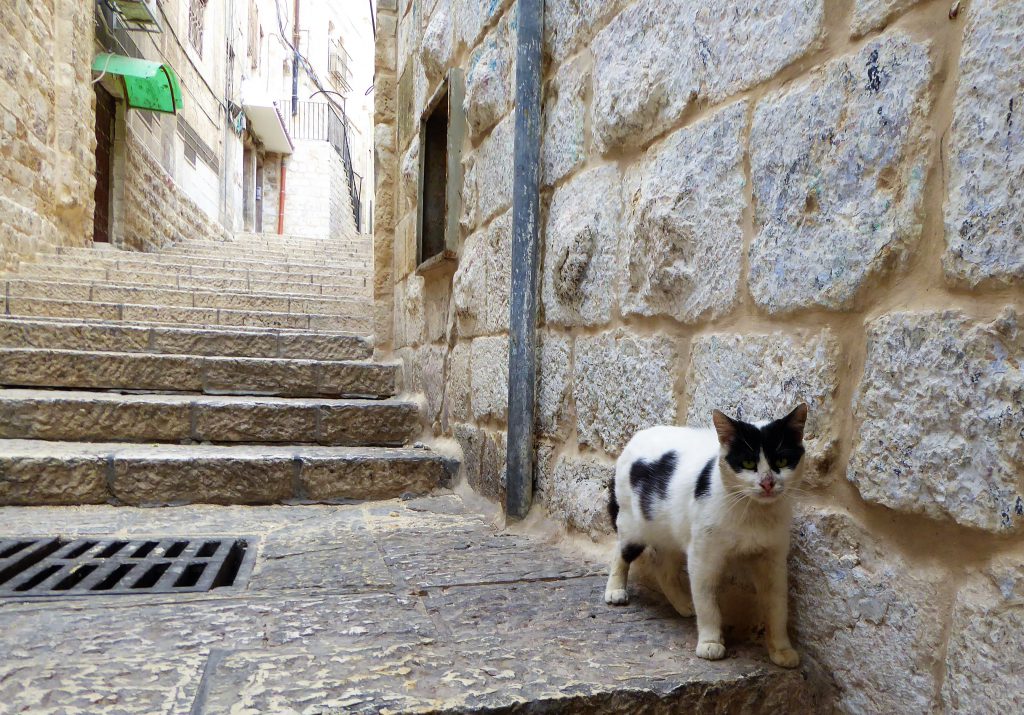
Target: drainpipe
(295, 62)
(522, 360)
(280, 201)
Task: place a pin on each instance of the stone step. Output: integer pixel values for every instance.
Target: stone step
(184, 315)
(62, 415)
(106, 292)
(271, 254)
(36, 473)
(89, 256)
(137, 262)
(146, 372)
(123, 337)
(327, 286)
(275, 241)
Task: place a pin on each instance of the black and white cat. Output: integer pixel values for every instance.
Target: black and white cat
(709, 495)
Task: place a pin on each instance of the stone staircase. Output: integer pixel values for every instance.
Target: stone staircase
(212, 372)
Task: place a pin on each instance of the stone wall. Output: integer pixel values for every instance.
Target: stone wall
(317, 202)
(47, 134)
(157, 212)
(748, 205)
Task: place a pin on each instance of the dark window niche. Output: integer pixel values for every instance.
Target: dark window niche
(435, 181)
(442, 130)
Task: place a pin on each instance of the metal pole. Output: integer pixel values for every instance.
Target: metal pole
(522, 361)
(295, 62)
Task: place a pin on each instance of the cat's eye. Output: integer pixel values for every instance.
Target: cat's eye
(749, 464)
(780, 463)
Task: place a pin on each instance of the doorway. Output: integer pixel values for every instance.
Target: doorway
(106, 112)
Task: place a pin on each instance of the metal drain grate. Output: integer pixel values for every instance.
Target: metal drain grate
(106, 566)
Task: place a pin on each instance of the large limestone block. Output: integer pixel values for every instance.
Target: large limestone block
(656, 58)
(568, 24)
(438, 39)
(564, 117)
(863, 614)
(581, 239)
(575, 491)
(941, 411)
(490, 76)
(763, 377)
(871, 14)
(985, 206)
(493, 169)
(684, 233)
(622, 383)
(839, 165)
(499, 273)
(553, 383)
(984, 661)
(469, 286)
(489, 377)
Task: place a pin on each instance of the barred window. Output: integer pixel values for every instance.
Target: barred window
(196, 14)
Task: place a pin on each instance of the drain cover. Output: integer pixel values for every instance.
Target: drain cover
(103, 566)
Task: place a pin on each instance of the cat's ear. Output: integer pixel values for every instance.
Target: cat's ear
(725, 427)
(796, 420)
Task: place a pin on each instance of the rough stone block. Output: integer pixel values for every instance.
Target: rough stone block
(863, 614)
(553, 372)
(581, 244)
(438, 39)
(34, 477)
(489, 378)
(684, 235)
(255, 421)
(234, 376)
(656, 57)
(763, 377)
(428, 368)
(985, 207)
(941, 410)
(370, 422)
(457, 397)
(471, 441)
(983, 658)
(494, 160)
(370, 474)
(872, 14)
(492, 474)
(622, 383)
(568, 24)
(839, 165)
(562, 150)
(357, 379)
(499, 273)
(469, 287)
(490, 76)
(576, 493)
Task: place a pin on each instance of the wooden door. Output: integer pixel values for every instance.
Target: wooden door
(106, 110)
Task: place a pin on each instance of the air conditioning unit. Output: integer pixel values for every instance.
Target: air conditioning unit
(138, 15)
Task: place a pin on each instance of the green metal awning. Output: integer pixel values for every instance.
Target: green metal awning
(147, 85)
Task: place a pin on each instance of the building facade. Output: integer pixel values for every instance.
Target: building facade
(744, 206)
(81, 165)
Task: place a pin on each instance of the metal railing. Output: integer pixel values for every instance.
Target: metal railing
(319, 121)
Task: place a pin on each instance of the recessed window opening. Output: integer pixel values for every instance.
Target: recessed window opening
(435, 180)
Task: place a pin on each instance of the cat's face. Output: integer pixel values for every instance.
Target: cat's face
(763, 462)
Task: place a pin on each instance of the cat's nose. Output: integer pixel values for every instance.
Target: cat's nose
(767, 485)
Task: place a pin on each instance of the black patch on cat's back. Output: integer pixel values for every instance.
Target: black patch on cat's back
(613, 505)
(650, 480)
(703, 487)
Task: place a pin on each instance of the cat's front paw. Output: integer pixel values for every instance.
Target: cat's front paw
(784, 657)
(616, 596)
(709, 650)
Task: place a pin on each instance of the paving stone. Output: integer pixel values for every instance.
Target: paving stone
(684, 229)
(983, 662)
(763, 377)
(984, 212)
(869, 620)
(838, 164)
(580, 249)
(314, 632)
(622, 383)
(655, 58)
(940, 409)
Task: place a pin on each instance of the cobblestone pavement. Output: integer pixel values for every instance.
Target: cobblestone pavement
(398, 606)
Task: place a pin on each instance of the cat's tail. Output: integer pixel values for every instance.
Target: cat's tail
(613, 504)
